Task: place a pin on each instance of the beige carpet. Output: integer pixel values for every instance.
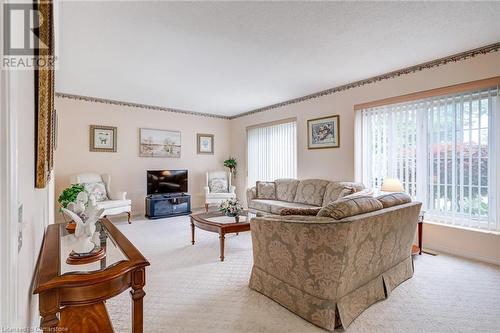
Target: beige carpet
(190, 290)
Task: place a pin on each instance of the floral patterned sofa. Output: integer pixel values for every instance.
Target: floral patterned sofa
(273, 197)
(329, 270)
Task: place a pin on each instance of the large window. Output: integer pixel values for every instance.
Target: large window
(443, 151)
(272, 152)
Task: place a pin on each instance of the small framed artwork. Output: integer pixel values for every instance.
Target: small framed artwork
(159, 143)
(103, 138)
(205, 143)
(323, 132)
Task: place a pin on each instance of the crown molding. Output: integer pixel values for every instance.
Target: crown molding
(137, 105)
(404, 71)
(495, 47)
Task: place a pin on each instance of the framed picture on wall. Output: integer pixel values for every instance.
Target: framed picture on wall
(103, 138)
(323, 132)
(159, 143)
(205, 143)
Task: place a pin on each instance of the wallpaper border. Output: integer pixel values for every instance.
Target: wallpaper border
(137, 105)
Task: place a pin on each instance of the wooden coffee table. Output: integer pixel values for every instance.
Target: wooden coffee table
(221, 224)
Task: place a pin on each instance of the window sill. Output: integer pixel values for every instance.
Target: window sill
(461, 227)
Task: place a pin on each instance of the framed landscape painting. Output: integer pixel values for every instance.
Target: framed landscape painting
(159, 143)
(103, 138)
(323, 132)
(205, 143)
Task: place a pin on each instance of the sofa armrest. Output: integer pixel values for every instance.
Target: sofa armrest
(207, 190)
(282, 247)
(251, 194)
(118, 195)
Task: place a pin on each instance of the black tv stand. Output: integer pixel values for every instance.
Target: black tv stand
(167, 205)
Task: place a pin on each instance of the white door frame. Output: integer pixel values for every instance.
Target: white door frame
(8, 202)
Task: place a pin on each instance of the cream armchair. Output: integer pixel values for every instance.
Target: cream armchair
(218, 188)
(113, 203)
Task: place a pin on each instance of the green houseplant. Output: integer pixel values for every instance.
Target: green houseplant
(69, 194)
(231, 164)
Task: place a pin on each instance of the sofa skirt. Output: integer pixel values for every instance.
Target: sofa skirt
(328, 313)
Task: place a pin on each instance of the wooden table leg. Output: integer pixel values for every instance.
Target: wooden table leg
(420, 226)
(192, 232)
(49, 307)
(137, 294)
(221, 238)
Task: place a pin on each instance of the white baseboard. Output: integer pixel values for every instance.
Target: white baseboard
(462, 253)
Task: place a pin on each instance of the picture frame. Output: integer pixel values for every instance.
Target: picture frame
(159, 143)
(205, 144)
(323, 132)
(103, 138)
(44, 93)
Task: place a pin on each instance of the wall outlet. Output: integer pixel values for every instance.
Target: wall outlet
(20, 228)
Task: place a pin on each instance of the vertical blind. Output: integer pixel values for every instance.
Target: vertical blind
(443, 151)
(272, 152)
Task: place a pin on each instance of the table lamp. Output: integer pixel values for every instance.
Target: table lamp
(391, 185)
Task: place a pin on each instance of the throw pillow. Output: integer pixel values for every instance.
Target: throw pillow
(347, 190)
(97, 189)
(343, 208)
(394, 199)
(218, 185)
(300, 211)
(266, 190)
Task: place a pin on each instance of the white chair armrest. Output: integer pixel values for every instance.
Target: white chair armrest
(118, 196)
(232, 189)
(207, 190)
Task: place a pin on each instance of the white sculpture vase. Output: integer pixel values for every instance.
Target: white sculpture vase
(85, 219)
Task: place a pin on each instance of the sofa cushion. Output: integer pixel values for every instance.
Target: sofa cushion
(286, 189)
(394, 199)
(300, 211)
(363, 193)
(97, 189)
(343, 208)
(266, 190)
(261, 204)
(218, 185)
(311, 191)
(336, 190)
(113, 204)
(278, 206)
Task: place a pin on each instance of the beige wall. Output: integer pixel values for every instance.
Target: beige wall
(127, 169)
(35, 202)
(339, 164)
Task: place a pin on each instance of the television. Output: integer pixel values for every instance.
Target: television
(167, 181)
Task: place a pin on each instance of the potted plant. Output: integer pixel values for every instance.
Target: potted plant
(68, 196)
(231, 207)
(231, 164)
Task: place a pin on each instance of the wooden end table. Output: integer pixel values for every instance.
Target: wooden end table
(221, 224)
(71, 297)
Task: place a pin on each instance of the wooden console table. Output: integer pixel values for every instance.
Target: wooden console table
(71, 297)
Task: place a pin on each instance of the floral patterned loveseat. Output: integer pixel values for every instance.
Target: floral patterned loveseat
(329, 270)
(273, 197)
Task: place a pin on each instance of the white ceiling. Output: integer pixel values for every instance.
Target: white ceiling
(226, 58)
